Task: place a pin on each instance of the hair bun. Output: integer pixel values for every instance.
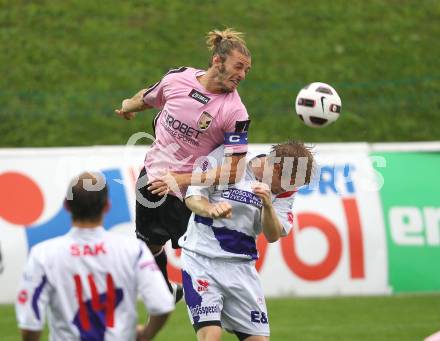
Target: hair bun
(214, 38)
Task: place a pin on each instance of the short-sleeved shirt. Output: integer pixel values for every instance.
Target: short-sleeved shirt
(233, 238)
(89, 279)
(192, 122)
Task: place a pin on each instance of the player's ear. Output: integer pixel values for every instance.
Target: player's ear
(107, 207)
(66, 205)
(216, 60)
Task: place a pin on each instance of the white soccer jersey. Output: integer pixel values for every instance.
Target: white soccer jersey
(234, 237)
(89, 279)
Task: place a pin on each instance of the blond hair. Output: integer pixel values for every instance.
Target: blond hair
(222, 43)
(296, 150)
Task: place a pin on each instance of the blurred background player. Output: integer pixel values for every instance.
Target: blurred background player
(221, 283)
(90, 278)
(199, 110)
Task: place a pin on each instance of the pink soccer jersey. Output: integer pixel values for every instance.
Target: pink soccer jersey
(192, 122)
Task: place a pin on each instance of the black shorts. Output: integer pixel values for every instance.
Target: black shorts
(157, 225)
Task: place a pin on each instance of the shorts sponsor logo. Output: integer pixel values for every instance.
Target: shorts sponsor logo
(259, 317)
(204, 121)
(202, 285)
(199, 97)
(239, 195)
(198, 310)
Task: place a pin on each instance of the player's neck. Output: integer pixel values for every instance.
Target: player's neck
(87, 224)
(208, 81)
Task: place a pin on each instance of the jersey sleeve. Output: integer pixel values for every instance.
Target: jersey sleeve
(236, 131)
(203, 191)
(33, 295)
(283, 205)
(151, 284)
(155, 94)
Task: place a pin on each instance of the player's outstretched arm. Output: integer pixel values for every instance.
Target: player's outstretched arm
(272, 227)
(131, 106)
(202, 207)
(229, 172)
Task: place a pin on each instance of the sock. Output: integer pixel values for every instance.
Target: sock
(161, 260)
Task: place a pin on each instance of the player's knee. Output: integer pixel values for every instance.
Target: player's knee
(256, 338)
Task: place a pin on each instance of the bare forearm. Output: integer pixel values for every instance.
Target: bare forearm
(202, 207)
(154, 325)
(271, 224)
(220, 175)
(30, 335)
(199, 205)
(135, 103)
(229, 172)
(209, 178)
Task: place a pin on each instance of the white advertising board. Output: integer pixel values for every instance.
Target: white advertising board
(337, 246)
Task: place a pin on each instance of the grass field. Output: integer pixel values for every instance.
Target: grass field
(68, 64)
(395, 318)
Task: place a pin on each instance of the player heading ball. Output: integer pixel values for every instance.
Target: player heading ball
(198, 111)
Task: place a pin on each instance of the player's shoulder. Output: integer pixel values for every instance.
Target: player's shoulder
(285, 197)
(49, 248)
(234, 106)
(120, 237)
(118, 240)
(178, 72)
(233, 98)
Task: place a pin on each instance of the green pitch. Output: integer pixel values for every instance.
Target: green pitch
(352, 318)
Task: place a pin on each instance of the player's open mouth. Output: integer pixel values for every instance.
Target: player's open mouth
(236, 82)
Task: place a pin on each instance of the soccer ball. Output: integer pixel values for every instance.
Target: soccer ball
(318, 105)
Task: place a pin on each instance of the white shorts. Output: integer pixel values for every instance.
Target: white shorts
(226, 292)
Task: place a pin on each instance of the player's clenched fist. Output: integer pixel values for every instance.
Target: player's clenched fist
(263, 192)
(126, 110)
(220, 210)
(126, 115)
